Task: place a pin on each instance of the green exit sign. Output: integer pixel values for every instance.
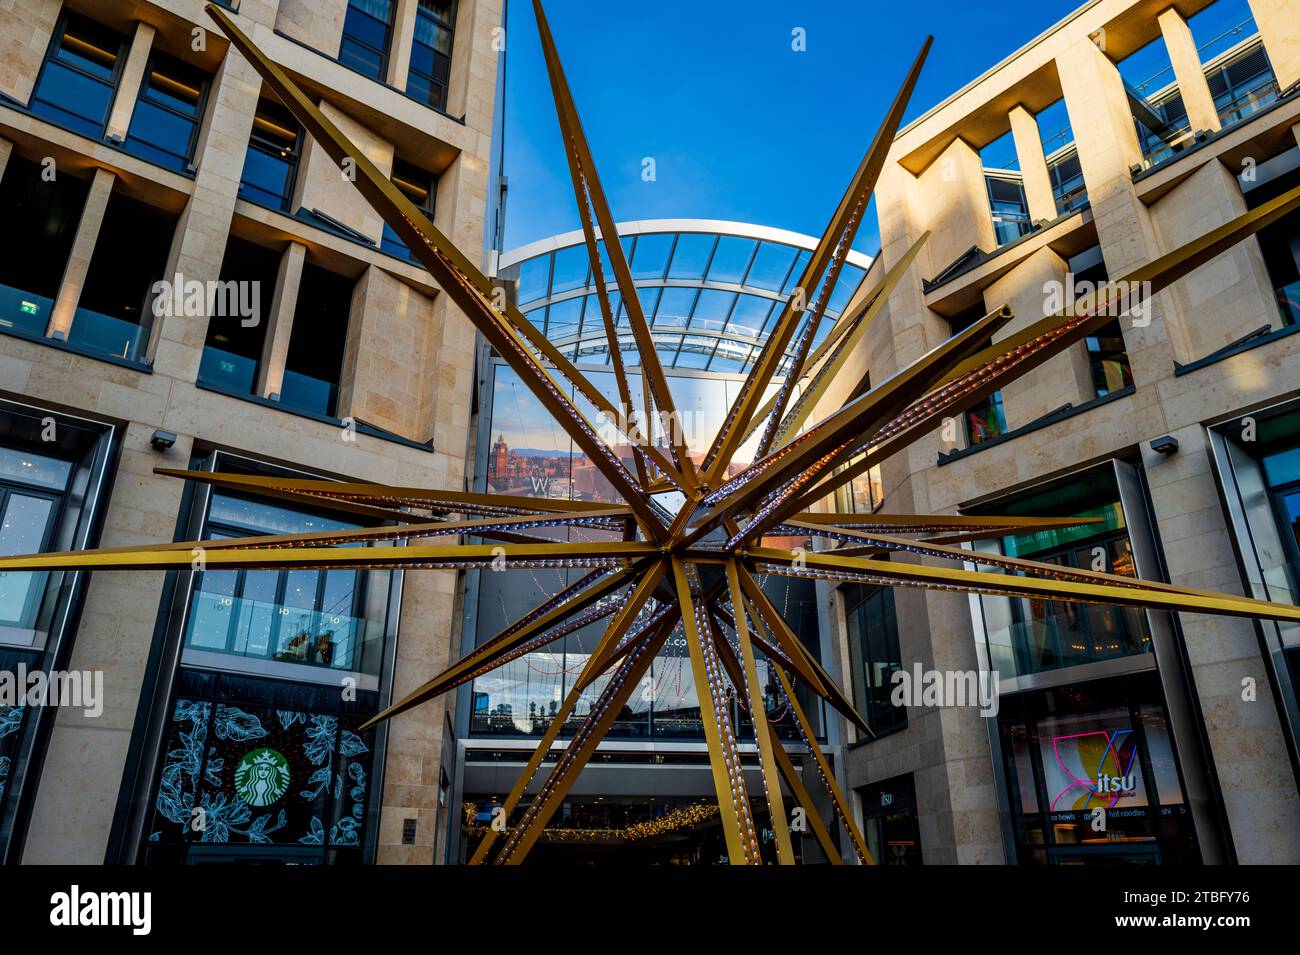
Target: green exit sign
(28, 308)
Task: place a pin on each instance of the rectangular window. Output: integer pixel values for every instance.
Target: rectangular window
(986, 418)
(1066, 174)
(233, 348)
(80, 75)
(1107, 356)
(1108, 360)
(31, 495)
(271, 164)
(431, 52)
(1243, 85)
(1280, 244)
(863, 494)
(1026, 636)
(873, 650)
(114, 313)
(42, 217)
(329, 620)
(320, 330)
(421, 188)
(1010, 208)
(1105, 744)
(367, 32)
(165, 122)
(280, 778)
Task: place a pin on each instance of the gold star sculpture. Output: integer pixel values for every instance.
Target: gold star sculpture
(685, 548)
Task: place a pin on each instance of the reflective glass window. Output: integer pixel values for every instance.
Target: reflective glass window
(366, 34)
(430, 68)
(271, 163)
(165, 122)
(76, 85)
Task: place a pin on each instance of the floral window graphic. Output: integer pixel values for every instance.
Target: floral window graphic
(262, 777)
(11, 718)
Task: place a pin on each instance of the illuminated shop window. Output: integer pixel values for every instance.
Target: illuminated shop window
(245, 782)
(1104, 745)
(260, 620)
(889, 821)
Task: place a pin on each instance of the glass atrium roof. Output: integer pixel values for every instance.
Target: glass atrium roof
(711, 290)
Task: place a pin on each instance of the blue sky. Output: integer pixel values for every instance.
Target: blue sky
(739, 124)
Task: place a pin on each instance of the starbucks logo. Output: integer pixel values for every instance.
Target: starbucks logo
(262, 777)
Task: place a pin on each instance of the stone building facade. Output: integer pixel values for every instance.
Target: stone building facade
(290, 335)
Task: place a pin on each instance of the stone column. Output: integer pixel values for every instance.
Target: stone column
(6, 150)
(403, 37)
(1064, 378)
(1033, 165)
(1230, 295)
(1187, 69)
(83, 249)
(1108, 147)
(471, 89)
(279, 321)
(1279, 28)
(322, 184)
(386, 361)
(956, 203)
(128, 87)
(23, 42)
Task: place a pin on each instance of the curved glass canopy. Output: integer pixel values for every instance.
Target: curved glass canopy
(711, 290)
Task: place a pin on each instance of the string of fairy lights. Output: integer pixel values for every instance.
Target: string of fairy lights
(682, 817)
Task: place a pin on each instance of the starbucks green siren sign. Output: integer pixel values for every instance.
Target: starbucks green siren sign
(262, 777)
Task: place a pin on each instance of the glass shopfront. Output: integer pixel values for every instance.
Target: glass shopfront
(1257, 459)
(890, 821)
(1027, 636)
(316, 618)
(262, 773)
(529, 454)
(52, 470)
(260, 755)
(1092, 775)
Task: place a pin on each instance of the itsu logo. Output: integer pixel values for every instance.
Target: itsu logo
(1117, 785)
